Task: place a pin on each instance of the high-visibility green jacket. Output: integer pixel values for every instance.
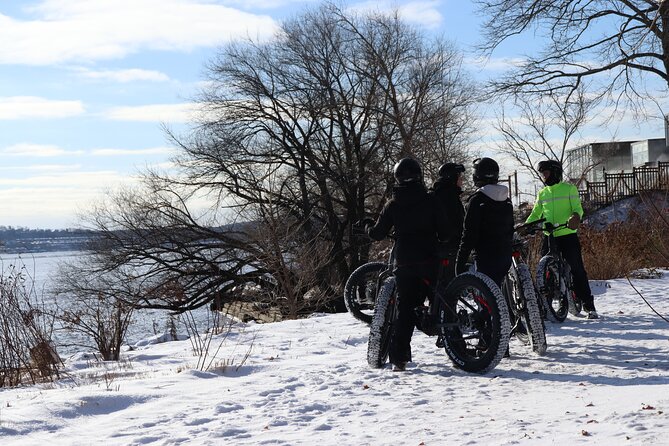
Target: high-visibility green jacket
(556, 204)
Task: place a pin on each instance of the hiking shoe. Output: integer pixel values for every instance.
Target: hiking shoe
(399, 366)
(593, 315)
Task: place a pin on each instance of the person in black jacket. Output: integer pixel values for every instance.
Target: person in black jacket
(448, 189)
(488, 227)
(418, 221)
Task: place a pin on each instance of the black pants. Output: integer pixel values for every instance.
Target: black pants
(570, 247)
(447, 271)
(494, 266)
(412, 290)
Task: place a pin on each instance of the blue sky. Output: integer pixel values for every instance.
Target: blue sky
(85, 85)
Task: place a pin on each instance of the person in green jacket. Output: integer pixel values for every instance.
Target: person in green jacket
(558, 203)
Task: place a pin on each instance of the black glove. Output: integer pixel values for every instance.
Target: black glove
(574, 221)
(521, 229)
(365, 222)
(361, 226)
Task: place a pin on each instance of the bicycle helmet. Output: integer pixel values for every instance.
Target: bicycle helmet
(408, 170)
(555, 171)
(486, 171)
(450, 171)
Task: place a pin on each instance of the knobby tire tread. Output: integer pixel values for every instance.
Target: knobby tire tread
(532, 316)
(544, 263)
(351, 289)
(378, 345)
(500, 313)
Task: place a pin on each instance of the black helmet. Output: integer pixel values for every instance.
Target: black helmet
(555, 169)
(450, 171)
(486, 171)
(408, 170)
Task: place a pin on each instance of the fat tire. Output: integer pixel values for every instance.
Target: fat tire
(358, 282)
(532, 319)
(575, 304)
(380, 331)
(515, 293)
(460, 353)
(549, 290)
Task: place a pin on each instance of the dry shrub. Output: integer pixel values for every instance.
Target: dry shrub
(27, 354)
(623, 247)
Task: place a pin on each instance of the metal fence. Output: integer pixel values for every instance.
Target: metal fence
(616, 186)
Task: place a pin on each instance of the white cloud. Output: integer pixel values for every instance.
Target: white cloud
(131, 152)
(43, 167)
(123, 76)
(171, 113)
(24, 107)
(264, 4)
(76, 179)
(38, 150)
(84, 30)
(53, 200)
(494, 63)
(424, 13)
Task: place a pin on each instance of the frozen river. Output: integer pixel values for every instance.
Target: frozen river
(42, 268)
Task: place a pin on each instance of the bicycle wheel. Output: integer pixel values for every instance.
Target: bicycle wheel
(508, 291)
(527, 306)
(575, 304)
(360, 290)
(474, 321)
(553, 289)
(385, 312)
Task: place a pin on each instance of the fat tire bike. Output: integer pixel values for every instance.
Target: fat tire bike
(525, 310)
(555, 282)
(361, 289)
(469, 317)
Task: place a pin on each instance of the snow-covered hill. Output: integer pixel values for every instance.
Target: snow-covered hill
(306, 382)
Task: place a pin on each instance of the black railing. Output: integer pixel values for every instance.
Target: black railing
(616, 186)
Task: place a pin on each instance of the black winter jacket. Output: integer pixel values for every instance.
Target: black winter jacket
(488, 227)
(418, 220)
(448, 195)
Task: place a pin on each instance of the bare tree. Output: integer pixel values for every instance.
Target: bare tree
(547, 125)
(296, 141)
(619, 43)
(97, 308)
(326, 110)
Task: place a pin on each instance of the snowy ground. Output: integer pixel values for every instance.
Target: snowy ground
(307, 382)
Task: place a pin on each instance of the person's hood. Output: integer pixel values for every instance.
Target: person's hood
(409, 193)
(497, 192)
(446, 185)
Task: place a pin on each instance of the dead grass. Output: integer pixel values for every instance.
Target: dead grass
(624, 247)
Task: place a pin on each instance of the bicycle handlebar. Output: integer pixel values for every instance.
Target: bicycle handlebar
(532, 226)
(552, 228)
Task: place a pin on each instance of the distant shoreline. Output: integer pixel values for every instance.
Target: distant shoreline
(23, 241)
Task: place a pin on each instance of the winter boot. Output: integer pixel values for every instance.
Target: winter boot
(399, 366)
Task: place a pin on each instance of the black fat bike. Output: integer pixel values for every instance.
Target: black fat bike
(362, 286)
(525, 309)
(469, 316)
(555, 282)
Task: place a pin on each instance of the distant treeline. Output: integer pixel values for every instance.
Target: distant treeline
(19, 240)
